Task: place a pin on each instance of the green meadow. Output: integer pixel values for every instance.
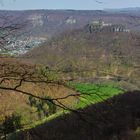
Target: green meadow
(94, 93)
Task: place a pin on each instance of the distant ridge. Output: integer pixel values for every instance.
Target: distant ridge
(43, 24)
(130, 9)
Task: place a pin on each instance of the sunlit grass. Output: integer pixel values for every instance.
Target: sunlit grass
(94, 93)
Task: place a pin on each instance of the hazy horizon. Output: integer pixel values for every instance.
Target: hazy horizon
(67, 5)
(68, 9)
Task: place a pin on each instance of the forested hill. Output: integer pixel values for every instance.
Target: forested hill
(95, 54)
(38, 26)
(50, 22)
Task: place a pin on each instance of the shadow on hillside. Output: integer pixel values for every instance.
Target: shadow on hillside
(114, 119)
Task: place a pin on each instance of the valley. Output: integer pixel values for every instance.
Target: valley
(70, 74)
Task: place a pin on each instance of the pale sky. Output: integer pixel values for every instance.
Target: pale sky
(67, 4)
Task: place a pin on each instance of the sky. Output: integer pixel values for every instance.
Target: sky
(67, 4)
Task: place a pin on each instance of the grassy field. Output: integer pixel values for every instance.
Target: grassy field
(94, 93)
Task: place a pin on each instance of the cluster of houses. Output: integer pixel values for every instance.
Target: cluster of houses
(97, 26)
(21, 46)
